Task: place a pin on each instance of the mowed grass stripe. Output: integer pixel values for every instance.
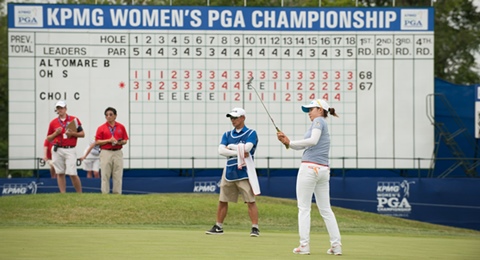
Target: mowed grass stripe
(172, 226)
(99, 243)
(184, 211)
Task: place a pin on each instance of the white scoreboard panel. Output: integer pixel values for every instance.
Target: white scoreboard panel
(174, 72)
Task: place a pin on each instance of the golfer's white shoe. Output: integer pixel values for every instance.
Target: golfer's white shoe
(302, 250)
(335, 250)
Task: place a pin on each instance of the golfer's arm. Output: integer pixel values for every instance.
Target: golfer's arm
(305, 143)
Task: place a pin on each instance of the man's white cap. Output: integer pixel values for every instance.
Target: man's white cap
(316, 103)
(61, 103)
(236, 112)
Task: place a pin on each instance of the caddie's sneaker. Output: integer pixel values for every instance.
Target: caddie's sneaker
(302, 250)
(215, 230)
(335, 250)
(255, 232)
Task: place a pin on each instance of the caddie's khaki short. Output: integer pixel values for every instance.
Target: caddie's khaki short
(229, 190)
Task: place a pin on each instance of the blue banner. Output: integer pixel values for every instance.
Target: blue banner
(452, 202)
(48, 16)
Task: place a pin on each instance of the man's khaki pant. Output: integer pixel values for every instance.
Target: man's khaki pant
(111, 164)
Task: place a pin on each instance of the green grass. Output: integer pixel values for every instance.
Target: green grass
(171, 226)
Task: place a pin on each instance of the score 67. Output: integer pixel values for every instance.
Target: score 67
(365, 82)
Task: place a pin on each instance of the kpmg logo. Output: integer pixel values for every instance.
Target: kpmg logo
(205, 186)
(392, 198)
(414, 19)
(20, 188)
(28, 16)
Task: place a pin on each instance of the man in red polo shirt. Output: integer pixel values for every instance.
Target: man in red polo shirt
(111, 137)
(64, 138)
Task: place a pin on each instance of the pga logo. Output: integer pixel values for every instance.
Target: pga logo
(27, 20)
(392, 197)
(414, 19)
(393, 203)
(28, 16)
(413, 23)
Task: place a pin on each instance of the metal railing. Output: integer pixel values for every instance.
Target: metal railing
(450, 137)
(342, 166)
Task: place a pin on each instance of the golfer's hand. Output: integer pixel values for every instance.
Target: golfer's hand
(283, 138)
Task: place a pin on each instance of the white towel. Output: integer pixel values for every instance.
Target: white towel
(251, 171)
(241, 156)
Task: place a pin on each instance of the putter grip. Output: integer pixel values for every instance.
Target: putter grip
(278, 130)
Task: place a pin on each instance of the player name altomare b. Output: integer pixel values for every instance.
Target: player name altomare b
(91, 63)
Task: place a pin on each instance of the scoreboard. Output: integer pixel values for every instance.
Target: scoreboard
(173, 73)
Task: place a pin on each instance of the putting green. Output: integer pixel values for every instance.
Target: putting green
(123, 243)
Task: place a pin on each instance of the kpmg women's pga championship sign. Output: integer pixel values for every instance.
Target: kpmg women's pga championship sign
(173, 72)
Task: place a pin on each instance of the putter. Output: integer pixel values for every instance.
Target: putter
(249, 83)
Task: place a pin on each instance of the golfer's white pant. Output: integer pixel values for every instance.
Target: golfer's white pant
(314, 179)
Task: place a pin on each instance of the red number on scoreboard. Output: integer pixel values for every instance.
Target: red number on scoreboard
(337, 85)
(288, 97)
(299, 86)
(299, 96)
(350, 86)
(337, 74)
(349, 75)
(325, 75)
(275, 74)
(337, 97)
(324, 86)
(299, 75)
(262, 74)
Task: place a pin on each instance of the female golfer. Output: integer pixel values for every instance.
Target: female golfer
(313, 177)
